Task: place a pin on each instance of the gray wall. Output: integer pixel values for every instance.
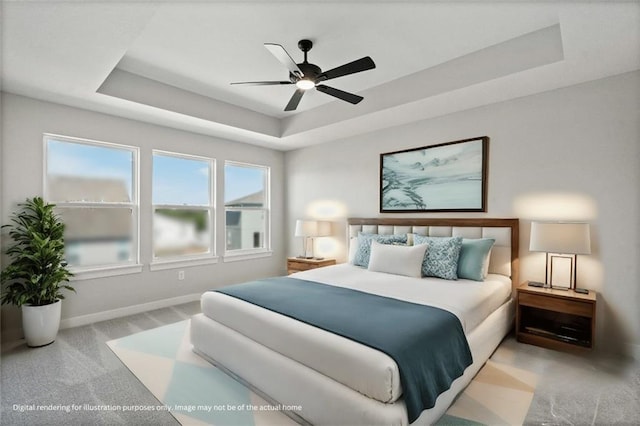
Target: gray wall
(24, 121)
(571, 154)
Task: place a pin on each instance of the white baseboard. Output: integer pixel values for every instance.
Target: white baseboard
(128, 310)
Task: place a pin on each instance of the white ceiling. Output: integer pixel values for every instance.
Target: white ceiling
(171, 62)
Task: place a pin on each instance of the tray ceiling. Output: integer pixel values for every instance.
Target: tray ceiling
(171, 63)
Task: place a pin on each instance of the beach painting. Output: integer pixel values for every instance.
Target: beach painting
(448, 177)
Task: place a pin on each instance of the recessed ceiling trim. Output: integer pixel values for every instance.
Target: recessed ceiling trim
(532, 50)
(136, 88)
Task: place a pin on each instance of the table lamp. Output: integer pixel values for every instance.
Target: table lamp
(307, 229)
(562, 240)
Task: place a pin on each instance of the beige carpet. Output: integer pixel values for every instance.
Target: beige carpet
(197, 393)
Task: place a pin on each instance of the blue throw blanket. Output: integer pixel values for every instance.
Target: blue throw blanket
(427, 343)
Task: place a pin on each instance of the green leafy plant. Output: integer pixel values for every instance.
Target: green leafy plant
(37, 272)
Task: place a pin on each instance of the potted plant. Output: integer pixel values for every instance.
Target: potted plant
(37, 274)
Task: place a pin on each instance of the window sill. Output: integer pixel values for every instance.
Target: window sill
(244, 255)
(111, 271)
(162, 265)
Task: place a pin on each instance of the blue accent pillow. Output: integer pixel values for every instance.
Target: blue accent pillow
(364, 245)
(442, 256)
(474, 255)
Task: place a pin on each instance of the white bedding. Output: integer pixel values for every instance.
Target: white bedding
(471, 301)
(359, 367)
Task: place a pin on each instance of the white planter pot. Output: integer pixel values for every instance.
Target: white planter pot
(41, 323)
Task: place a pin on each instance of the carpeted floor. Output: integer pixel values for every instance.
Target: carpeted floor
(194, 390)
(79, 372)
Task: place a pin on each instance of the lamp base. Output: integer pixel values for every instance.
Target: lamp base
(561, 288)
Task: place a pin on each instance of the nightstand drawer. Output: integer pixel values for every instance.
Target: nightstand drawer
(295, 264)
(297, 267)
(569, 306)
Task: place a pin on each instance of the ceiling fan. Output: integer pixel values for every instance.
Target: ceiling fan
(307, 76)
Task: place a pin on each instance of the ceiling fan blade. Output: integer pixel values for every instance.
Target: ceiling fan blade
(294, 101)
(359, 65)
(263, 83)
(340, 94)
(284, 58)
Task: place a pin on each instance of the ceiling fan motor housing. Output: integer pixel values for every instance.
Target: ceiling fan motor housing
(310, 71)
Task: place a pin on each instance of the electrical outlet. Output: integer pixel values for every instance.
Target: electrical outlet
(180, 275)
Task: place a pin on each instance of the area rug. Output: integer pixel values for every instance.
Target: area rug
(500, 394)
(197, 393)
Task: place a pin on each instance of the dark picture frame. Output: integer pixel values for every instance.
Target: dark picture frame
(447, 177)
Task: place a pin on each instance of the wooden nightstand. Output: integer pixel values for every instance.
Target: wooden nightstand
(556, 319)
(296, 264)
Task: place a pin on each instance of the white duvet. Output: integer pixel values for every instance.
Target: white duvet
(357, 366)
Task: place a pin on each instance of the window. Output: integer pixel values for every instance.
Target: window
(183, 208)
(246, 204)
(95, 188)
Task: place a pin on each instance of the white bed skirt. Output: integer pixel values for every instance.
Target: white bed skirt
(324, 401)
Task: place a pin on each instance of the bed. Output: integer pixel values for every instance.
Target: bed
(326, 379)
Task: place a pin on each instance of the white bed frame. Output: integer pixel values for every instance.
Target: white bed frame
(324, 401)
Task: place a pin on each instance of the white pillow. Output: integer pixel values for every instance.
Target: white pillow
(398, 260)
(353, 249)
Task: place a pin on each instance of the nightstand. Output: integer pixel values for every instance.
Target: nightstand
(296, 264)
(555, 319)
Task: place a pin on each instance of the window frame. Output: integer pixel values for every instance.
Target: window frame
(110, 269)
(179, 261)
(252, 253)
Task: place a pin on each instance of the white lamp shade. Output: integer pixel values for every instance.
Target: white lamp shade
(560, 237)
(306, 228)
(324, 229)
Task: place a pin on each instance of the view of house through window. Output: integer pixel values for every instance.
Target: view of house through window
(182, 205)
(94, 187)
(246, 202)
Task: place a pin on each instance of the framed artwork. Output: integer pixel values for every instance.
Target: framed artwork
(448, 177)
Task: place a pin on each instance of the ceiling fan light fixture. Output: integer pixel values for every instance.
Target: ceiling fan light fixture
(305, 84)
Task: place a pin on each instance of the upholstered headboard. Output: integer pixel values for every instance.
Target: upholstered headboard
(504, 255)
